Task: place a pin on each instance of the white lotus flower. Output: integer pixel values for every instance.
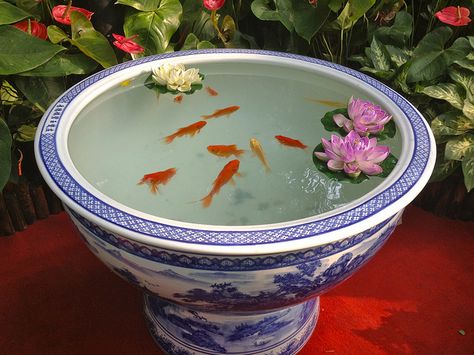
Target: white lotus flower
(176, 77)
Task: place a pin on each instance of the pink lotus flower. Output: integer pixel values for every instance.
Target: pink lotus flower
(454, 15)
(61, 13)
(213, 5)
(365, 117)
(353, 154)
(127, 44)
(33, 28)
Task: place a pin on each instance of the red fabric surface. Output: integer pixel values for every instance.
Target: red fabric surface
(413, 298)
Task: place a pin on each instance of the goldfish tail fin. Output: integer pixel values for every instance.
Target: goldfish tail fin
(154, 187)
(206, 201)
(169, 139)
(206, 117)
(239, 152)
(268, 170)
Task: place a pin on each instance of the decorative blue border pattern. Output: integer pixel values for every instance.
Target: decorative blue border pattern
(111, 214)
(205, 262)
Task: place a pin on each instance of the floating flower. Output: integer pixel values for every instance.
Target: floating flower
(213, 5)
(127, 44)
(365, 117)
(176, 77)
(454, 15)
(353, 154)
(61, 13)
(32, 27)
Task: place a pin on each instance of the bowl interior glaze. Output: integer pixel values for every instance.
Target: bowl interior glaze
(122, 127)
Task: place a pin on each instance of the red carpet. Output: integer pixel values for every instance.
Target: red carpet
(414, 297)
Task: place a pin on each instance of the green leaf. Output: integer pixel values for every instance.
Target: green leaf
(399, 33)
(379, 55)
(449, 92)
(335, 5)
(464, 78)
(443, 168)
(11, 14)
(205, 45)
(142, 5)
(64, 64)
(388, 165)
(400, 80)
(282, 11)
(430, 59)
(352, 12)
(196, 20)
(389, 131)
(329, 124)
(468, 171)
(5, 153)
(8, 94)
(381, 74)
(190, 42)
(398, 56)
(91, 42)
(468, 109)
(308, 20)
(228, 28)
(471, 40)
(25, 133)
(154, 28)
(459, 147)
(20, 52)
(449, 124)
(33, 7)
(466, 63)
(41, 91)
(56, 35)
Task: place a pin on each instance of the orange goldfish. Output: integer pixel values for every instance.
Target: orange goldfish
(211, 91)
(190, 130)
(178, 99)
(155, 179)
(225, 150)
(290, 142)
(258, 150)
(222, 112)
(226, 175)
(330, 103)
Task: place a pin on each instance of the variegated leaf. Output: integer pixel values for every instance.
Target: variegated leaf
(466, 63)
(444, 125)
(459, 147)
(449, 92)
(443, 168)
(379, 55)
(468, 171)
(462, 77)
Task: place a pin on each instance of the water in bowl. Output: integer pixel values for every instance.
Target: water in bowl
(119, 137)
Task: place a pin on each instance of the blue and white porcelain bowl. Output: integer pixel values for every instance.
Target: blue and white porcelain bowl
(242, 276)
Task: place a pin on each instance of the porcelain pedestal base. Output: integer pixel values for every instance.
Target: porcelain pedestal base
(180, 330)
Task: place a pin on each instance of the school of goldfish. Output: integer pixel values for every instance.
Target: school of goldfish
(231, 169)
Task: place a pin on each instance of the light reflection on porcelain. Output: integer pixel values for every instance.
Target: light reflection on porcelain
(243, 291)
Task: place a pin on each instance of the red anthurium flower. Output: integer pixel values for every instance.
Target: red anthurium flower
(127, 44)
(454, 15)
(32, 27)
(313, 2)
(213, 5)
(59, 13)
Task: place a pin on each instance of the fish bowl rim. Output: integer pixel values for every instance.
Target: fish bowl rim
(362, 214)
